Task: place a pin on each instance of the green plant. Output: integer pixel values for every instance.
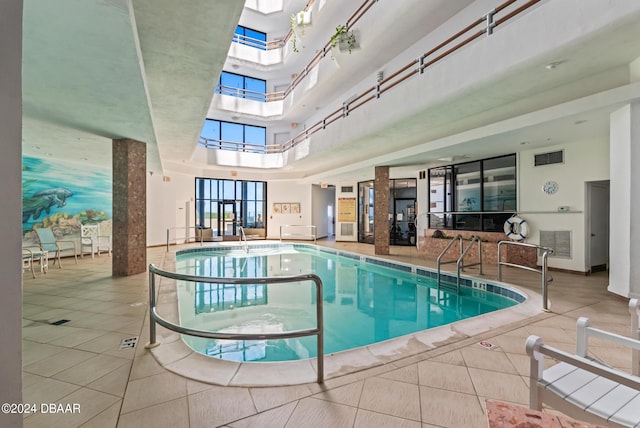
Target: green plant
(343, 35)
(295, 20)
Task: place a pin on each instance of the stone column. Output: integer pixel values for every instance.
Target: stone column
(381, 210)
(129, 207)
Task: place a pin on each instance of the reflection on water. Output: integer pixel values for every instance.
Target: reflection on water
(363, 303)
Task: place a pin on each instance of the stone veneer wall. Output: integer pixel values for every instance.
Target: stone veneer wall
(129, 207)
(381, 210)
(432, 247)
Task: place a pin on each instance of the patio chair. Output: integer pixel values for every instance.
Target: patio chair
(92, 237)
(49, 243)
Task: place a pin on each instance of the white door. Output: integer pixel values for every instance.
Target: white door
(598, 233)
(180, 231)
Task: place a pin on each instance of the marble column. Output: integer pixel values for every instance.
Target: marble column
(129, 207)
(381, 210)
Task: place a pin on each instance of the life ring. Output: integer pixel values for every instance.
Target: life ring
(516, 228)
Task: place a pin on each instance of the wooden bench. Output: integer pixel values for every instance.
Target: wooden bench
(583, 387)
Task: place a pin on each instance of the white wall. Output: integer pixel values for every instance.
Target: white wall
(162, 197)
(287, 192)
(583, 161)
(11, 176)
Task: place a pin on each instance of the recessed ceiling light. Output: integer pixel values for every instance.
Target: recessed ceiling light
(524, 143)
(580, 122)
(234, 117)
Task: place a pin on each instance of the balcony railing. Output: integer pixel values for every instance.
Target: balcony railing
(484, 25)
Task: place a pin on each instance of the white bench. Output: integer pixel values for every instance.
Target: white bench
(584, 388)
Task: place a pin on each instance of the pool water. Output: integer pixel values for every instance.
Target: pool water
(364, 303)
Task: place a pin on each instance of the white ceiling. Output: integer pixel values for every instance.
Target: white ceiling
(95, 70)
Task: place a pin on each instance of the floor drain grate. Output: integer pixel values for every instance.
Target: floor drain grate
(59, 322)
(129, 343)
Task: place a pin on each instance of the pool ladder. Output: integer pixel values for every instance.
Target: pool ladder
(460, 260)
(243, 240)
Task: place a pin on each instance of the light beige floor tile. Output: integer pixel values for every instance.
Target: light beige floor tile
(408, 374)
(499, 386)
(106, 419)
(274, 418)
(113, 383)
(445, 376)
(554, 334)
(145, 365)
(79, 336)
(33, 352)
(90, 403)
(348, 394)
(174, 414)
(510, 344)
(46, 390)
(450, 409)
(104, 343)
(487, 359)
(392, 398)
(313, 413)
(58, 362)
(91, 369)
(367, 419)
(153, 390)
(268, 398)
(219, 406)
(454, 357)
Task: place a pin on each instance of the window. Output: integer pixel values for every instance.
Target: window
(237, 85)
(478, 195)
(225, 205)
(249, 37)
(234, 136)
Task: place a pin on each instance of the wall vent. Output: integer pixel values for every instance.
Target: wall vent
(346, 189)
(549, 158)
(346, 229)
(559, 241)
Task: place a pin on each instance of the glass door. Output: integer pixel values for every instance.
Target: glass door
(227, 216)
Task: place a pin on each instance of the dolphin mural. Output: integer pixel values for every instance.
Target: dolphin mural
(43, 201)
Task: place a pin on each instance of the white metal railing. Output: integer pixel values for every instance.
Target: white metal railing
(440, 262)
(546, 279)
(155, 318)
(312, 234)
(187, 236)
(243, 239)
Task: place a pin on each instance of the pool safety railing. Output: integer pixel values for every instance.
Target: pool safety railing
(243, 239)
(186, 235)
(457, 239)
(546, 278)
(460, 261)
(309, 231)
(155, 318)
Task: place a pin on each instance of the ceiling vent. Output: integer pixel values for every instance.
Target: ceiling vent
(346, 189)
(548, 158)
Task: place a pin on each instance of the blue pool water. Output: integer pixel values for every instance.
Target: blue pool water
(366, 300)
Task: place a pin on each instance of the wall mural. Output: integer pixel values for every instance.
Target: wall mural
(63, 195)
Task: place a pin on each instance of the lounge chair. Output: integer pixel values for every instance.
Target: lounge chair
(583, 387)
(49, 243)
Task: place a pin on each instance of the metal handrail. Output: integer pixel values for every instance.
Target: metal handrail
(187, 238)
(310, 235)
(546, 279)
(458, 238)
(154, 317)
(243, 239)
(460, 262)
(484, 25)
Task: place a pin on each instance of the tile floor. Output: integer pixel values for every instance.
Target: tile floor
(80, 361)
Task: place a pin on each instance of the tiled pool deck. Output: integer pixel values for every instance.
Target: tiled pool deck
(412, 385)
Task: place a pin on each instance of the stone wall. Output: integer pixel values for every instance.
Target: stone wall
(432, 247)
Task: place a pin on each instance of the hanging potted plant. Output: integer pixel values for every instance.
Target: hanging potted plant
(301, 19)
(344, 39)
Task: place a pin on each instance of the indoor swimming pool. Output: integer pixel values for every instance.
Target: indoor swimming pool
(365, 299)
